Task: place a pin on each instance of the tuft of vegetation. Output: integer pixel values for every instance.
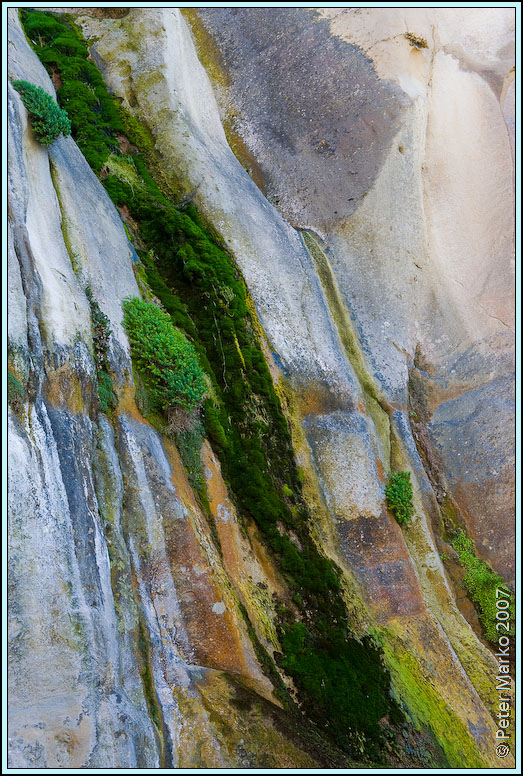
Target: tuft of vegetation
(101, 334)
(416, 40)
(16, 395)
(342, 683)
(398, 493)
(164, 356)
(48, 120)
(189, 443)
(106, 394)
(481, 583)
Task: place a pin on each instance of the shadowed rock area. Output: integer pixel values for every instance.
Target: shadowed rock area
(310, 108)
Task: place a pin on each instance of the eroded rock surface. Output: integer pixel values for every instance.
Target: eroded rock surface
(401, 161)
(129, 648)
(123, 624)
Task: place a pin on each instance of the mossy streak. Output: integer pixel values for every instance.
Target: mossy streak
(376, 406)
(429, 709)
(482, 585)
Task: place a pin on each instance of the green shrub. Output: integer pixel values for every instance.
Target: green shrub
(165, 358)
(481, 583)
(48, 120)
(399, 496)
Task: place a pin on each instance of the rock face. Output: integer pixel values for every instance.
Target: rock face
(397, 152)
(121, 624)
(128, 646)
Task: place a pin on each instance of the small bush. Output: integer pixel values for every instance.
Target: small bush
(165, 358)
(481, 583)
(399, 496)
(48, 120)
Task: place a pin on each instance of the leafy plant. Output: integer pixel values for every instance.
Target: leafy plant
(48, 120)
(481, 583)
(101, 334)
(165, 357)
(15, 393)
(398, 493)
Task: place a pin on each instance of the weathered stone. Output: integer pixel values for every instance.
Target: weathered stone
(128, 644)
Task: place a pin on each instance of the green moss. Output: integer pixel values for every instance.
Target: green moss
(428, 709)
(189, 444)
(398, 493)
(94, 115)
(213, 425)
(341, 681)
(137, 133)
(481, 584)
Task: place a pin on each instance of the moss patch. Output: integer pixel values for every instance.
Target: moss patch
(16, 394)
(429, 710)
(482, 583)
